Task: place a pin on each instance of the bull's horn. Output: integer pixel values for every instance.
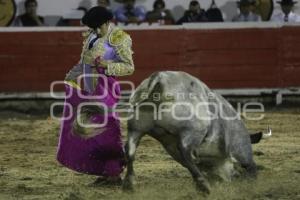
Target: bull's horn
(269, 134)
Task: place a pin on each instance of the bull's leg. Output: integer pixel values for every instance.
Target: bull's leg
(134, 138)
(186, 147)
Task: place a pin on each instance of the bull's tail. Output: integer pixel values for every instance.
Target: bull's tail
(268, 134)
(256, 137)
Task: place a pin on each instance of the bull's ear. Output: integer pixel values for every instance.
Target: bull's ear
(256, 137)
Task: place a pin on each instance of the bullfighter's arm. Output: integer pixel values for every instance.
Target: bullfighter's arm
(122, 43)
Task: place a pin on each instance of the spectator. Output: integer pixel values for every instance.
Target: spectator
(214, 14)
(104, 3)
(129, 13)
(159, 12)
(287, 14)
(246, 14)
(194, 14)
(30, 17)
(72, 18)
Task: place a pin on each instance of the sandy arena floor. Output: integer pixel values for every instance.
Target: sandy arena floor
(28, 169)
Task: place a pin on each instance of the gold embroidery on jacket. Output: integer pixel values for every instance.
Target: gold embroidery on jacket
(122, 44)
(89, 56)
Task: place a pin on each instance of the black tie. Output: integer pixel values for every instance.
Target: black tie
(91, 44)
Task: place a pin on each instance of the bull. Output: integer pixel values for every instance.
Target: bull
(195, 125)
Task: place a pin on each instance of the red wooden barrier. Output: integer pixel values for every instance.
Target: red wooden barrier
(227, 58)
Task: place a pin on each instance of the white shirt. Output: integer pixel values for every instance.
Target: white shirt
(251, 17)
(280, 17)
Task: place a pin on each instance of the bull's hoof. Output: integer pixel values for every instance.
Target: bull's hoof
(203, 186)
(251, 172)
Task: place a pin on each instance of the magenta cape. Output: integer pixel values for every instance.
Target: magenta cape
(102, 154)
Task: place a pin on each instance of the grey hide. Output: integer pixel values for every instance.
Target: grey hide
(206, 136)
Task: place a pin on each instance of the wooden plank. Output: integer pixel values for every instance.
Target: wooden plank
(231, 57)
(232, 39)
(162, 61)
(239, 73)
(40, 50)
(291, 76)
(157, 40)
(239, 84)
(221, 58)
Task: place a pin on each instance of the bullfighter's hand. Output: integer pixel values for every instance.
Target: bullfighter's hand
(105, 63)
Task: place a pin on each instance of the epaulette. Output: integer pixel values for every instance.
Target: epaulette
(118, 37)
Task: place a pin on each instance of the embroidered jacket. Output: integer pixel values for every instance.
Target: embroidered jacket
(114, 50)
